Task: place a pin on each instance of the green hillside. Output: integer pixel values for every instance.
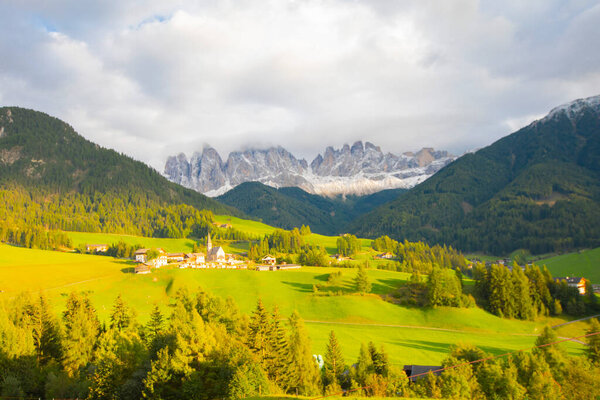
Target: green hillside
(537, 189)
(51, 178)
(584, 263)
(410, 335)
(291, 207)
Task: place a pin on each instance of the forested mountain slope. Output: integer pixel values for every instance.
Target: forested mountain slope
(291, 207)
(537, 188)
(54, 178)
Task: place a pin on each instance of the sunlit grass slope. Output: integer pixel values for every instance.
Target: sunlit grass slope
(585, 263)
(410, 335)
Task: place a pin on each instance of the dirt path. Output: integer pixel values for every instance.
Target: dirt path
(577, 320)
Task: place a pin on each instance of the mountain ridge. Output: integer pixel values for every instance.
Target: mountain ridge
(358, 169)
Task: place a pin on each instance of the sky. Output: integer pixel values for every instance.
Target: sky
(156, 78)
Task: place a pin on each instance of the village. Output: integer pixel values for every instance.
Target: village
(214, 258)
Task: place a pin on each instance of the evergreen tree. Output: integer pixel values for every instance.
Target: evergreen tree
(364, 365)
(361, 281)
(258, 333)
(333, 362)
(303, 370)
(277, 367)
(593, 349)
(45, 331)
(122, 317)
(81, 328)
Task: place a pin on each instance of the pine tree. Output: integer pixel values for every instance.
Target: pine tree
(303, 370)
(334, 366)
(80, 334)
(122, 317)
(363, 285)
(364, 365)
(45, 331)
(277, 367)
(154, 327)
(593, 350)
(258, 333)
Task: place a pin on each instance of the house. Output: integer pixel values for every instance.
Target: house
(596, 288)
(269, 259)
(339, 258)
(141, 256)
(142, 269)
(98, 248)
(575, 282)
(385, 256)
(175, 257)
(415, 372)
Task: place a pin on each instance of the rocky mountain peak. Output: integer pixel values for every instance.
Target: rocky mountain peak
(575, 108)
(357, 169)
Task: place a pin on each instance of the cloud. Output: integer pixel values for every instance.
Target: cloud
(155, 78)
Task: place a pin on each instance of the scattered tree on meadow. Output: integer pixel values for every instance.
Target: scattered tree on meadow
(361, 281)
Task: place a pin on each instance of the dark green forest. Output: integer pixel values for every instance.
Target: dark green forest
(290, 207)
(537, 189)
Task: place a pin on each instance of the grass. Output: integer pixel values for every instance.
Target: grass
(244, 225)
(585, 263)
(169, 245)
(410, 335)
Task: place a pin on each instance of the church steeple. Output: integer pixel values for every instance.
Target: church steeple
(208, 244)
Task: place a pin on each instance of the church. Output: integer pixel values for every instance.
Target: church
(214, 254)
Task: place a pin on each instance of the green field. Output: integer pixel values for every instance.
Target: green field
(244, 225)
(585, 263)
(410, 335)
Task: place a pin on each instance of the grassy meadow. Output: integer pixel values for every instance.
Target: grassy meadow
(585, 263)
(410, 335)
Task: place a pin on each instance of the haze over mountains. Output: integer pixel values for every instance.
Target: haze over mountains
(359, 169)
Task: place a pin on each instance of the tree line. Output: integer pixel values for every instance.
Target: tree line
(207, 349)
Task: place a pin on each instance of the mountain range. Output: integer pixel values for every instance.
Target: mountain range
(536, 189)
(359, 169)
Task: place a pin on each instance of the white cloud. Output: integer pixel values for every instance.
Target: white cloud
(155, 78)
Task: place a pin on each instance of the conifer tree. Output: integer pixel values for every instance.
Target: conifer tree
(593, 350)
(554, 355)
(80, 334)
(45, 331)
(277, 366)
(122, 316)
(333, 366)
(364, 365)
(363, 285)
(258, 334)
(303, 370)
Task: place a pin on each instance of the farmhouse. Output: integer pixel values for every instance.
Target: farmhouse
(339, 258)
(385, 256)
(269, 259)
(415, 372)
(96, 248)
(141, 256)
(575, 282)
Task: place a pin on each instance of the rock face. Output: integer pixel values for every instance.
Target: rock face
(357, 169)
